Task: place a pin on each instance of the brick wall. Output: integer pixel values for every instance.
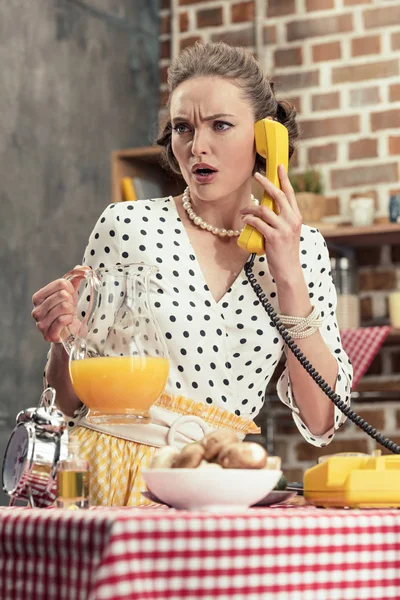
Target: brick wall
(339, 62)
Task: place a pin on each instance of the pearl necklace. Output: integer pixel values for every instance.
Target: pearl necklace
(203, 224)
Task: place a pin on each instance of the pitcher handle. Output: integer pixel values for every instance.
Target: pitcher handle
(66, 335)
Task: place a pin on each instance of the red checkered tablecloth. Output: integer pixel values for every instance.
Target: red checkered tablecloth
(280, 553)
(362, 345)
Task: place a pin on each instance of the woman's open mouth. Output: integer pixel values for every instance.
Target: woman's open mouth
(204, 175)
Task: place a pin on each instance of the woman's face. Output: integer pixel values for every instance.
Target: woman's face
(213, 128)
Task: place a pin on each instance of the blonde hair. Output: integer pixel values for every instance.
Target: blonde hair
(239, 66)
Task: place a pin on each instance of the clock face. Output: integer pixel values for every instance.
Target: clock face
(15, 458)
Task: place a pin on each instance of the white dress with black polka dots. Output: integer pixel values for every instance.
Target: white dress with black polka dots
(221, 353)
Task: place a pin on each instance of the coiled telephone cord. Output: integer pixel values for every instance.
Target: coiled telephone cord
(305, 363)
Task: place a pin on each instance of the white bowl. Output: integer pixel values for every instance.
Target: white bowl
(211, 489)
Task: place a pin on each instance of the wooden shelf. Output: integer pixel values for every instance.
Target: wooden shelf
(141, 162)
(379, 383)
(376, 235)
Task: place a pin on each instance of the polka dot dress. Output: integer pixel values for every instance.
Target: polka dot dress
(221, 353)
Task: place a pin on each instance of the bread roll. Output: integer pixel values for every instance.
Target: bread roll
(243, 455)
(189, 457)
(215, 441)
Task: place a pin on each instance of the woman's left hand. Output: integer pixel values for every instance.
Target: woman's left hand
(281, 232)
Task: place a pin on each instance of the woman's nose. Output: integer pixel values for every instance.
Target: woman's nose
(200, 143)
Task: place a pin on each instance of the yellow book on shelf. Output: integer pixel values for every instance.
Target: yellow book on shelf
(128, 190)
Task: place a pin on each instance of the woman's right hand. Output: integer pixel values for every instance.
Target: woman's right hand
(55, 307)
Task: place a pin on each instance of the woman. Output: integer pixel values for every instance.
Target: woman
(223, 350)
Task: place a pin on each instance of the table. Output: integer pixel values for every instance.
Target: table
(274, 553)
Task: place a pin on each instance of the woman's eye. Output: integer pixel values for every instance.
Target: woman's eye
(221, 125)
(181, 128)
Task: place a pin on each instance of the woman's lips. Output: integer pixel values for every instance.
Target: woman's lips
(204, 177)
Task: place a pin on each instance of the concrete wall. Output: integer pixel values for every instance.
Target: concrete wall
(74, 85)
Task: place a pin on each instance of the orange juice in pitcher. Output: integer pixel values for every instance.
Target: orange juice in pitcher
(119, 384)
(118, 358)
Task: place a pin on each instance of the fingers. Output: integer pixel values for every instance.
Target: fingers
(262, 213)
(59, 284)
(54, 308)
(285, 198)
(288, 190)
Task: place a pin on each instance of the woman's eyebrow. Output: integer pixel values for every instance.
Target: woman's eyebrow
(210, 118)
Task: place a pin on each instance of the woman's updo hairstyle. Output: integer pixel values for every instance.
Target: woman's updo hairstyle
(238, 65)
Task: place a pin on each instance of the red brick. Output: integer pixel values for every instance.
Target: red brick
(269, 34)
(382, 17)
(365, 71)
(242, 12)
(385, 120)
(211, 17)
(331, 126)
(165, 49)
(364, 148)
(369, 256)
(165, 24)
(295, 101)
(183, 21)
(319, 5)
(396, 40)
(366, 45)
(322, 154)
(289, 57)
(396, 440)
(241, 37)
(285, 425)
(364, 96)
(394, 92)
(394, 144)
(376, 418)
(386, 173)
(277, 8)
(327, 51)
(305, 451)
(189, 41)
(165, 4)
(298, 80)
(329, 101)
(306, 28)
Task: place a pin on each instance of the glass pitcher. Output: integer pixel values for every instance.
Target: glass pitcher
(118, 358)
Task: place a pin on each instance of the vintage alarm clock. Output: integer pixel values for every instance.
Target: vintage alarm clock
(38, 442)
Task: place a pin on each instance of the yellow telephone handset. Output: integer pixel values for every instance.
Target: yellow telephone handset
(272, 143)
